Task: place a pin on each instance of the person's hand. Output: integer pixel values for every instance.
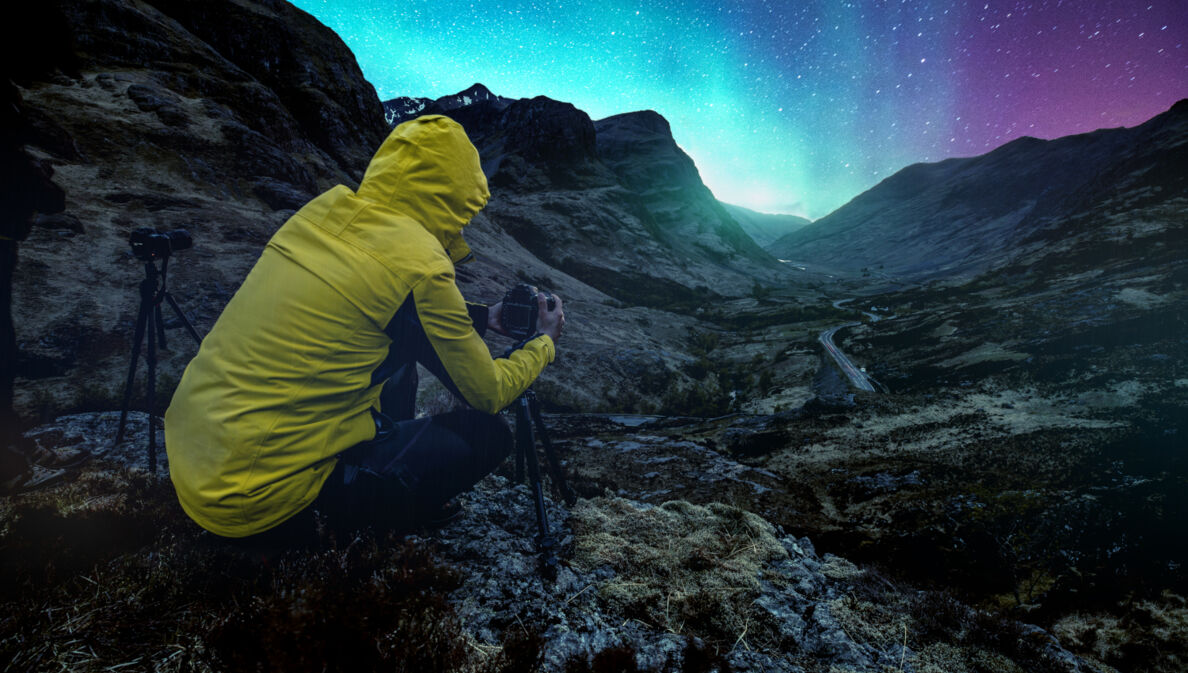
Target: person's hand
(549, 322)
(495, 318)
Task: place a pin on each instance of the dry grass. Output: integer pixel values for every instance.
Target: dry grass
(107, 573)
(684, 568)
(1153, 632)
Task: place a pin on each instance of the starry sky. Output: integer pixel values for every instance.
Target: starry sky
(795, 106)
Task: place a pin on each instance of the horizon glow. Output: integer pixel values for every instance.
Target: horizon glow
(793, 107)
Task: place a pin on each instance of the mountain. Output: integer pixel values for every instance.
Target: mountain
(640, 149)
(404, 108)
(220, 117)
(960, 217)
(224, 116)
(765, 228)
(397, 110)
(614, 203)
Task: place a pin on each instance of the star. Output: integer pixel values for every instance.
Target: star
(773, 100)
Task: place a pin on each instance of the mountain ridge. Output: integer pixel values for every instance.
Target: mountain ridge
(641, 197)
(963, 216)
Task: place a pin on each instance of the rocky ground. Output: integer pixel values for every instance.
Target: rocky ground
(106, 571)
(1011, 504)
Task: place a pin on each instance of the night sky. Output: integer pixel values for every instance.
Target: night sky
(793, 107)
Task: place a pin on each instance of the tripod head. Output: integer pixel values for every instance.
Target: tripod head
(148, 245)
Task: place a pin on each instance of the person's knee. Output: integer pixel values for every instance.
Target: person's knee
(486, 430)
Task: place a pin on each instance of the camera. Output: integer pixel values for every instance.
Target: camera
(148, 245)
(520, 310)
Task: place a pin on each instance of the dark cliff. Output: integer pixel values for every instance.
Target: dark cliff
(218, 116)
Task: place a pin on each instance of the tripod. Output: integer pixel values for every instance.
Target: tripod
(152, 292)
(527, 415)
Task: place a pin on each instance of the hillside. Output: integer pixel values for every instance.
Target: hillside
(243, 112)
(614, 202)
(960, 217)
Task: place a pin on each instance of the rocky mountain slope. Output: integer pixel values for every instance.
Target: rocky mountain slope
(765, 228)
(960, 217)
(1031, 449)
(570, 189)
(243, 112)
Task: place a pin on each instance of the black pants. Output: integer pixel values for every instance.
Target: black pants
(413, 465)
(412, 468)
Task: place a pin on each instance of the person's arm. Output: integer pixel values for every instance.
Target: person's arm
(486, 384)
(486, 318)
(480, 316)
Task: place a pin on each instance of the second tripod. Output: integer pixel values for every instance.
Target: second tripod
(149, 323)
(528, 417)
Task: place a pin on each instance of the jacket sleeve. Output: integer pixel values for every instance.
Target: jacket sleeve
(479, 313)
(486, 384)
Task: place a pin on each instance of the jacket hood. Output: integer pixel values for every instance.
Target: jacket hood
(429, 170)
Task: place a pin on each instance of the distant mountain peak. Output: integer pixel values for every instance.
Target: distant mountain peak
(399, 109)
(649, 120)
(404, 108)
(476, 91)
(765, 228)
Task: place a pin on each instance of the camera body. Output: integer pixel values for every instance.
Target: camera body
(520, 310)
(148, 245)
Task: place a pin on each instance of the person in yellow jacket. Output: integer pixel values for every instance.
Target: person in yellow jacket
(303, 390)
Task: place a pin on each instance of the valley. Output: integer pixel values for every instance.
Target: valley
(944, 428)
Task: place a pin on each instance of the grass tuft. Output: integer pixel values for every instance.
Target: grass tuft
(107, 571)
(684, 568)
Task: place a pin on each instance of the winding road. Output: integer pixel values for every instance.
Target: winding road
(857, 377)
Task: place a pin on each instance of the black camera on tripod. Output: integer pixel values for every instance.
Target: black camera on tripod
(148, 245)
(521, 310)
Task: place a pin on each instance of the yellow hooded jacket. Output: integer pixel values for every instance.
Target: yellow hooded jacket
(283, 382)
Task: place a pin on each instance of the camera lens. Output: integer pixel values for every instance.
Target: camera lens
(180, 239)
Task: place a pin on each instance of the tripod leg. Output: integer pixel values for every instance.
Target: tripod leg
(152, 387)
(137, 339)
(522, 420)
(160, 323)
(157, 297)
(524, 440)
(185, 321)
(551, 459)
(524, 437)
